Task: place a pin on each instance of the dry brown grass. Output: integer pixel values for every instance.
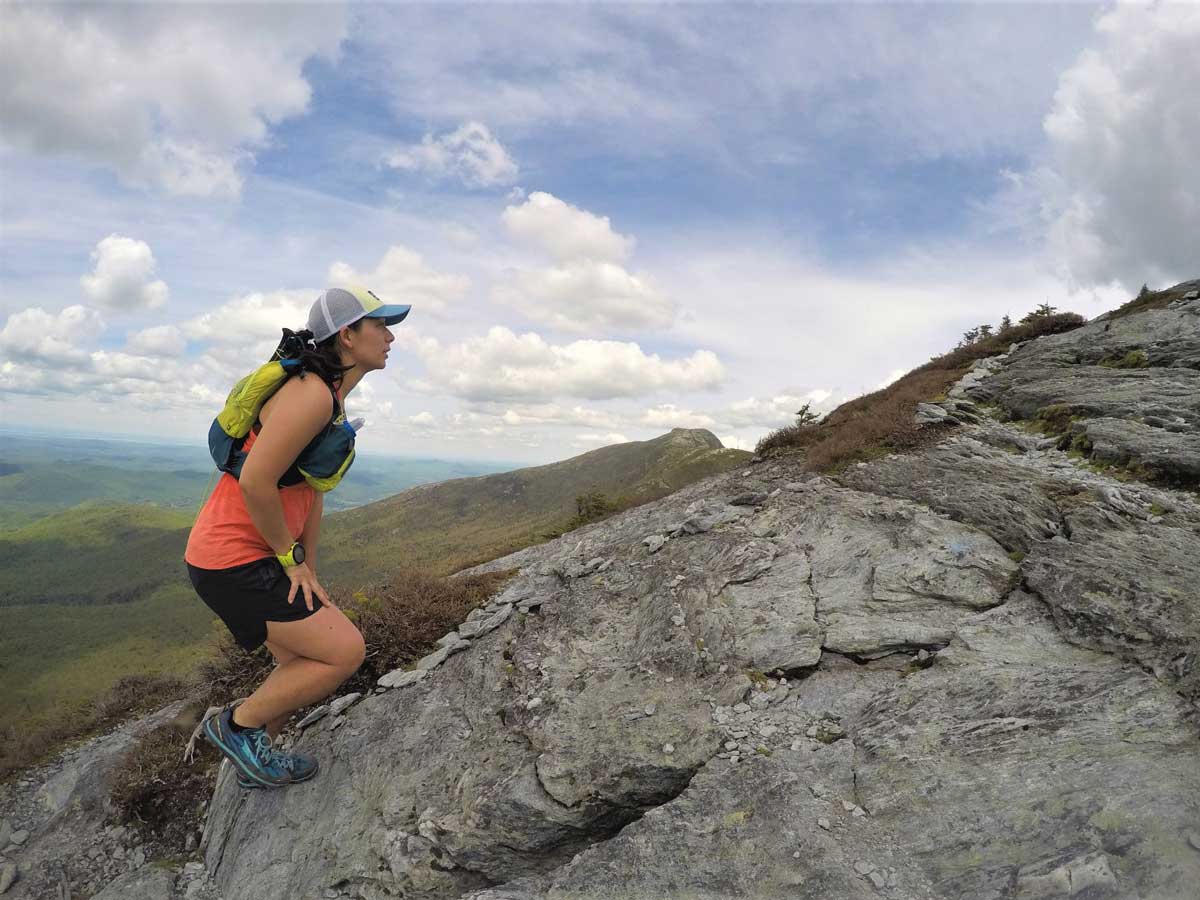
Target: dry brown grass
(132, 695)
(402, 619)
(879, 423)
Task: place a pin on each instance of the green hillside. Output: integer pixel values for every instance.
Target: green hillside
(94, 553)
(100, 591)
(452, 524)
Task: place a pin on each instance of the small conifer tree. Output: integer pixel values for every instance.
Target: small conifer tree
(805, 417)
(1005, 324)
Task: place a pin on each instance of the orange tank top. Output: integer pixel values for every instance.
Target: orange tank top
(224, 534)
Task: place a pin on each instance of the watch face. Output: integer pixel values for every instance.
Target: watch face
(298, 553)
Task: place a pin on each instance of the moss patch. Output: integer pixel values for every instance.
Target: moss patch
(1134, 359)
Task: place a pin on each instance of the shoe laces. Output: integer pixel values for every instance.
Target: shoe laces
(269, 755)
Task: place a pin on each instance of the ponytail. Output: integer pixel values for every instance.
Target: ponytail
(321, 359)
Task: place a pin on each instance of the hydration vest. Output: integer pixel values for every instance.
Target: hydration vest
(322, 463)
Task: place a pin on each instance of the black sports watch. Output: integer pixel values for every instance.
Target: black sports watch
(294, 556)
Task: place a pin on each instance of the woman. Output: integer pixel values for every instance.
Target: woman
(252, 553)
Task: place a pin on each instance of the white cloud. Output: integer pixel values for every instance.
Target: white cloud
(470, 153)
(34, 334)
(735, 442)
(611, 437)
(587, 297)
(773, 412)
(403, 277)
(160, 340)
(668, 415)
(166, 95)
(251, 318)
(565, 232)
(891, 376)
(422, 419)
(505, 366)
(1124, 187)
(121, 275)
(587, 291)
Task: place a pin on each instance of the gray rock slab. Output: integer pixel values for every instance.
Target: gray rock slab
(147, 883)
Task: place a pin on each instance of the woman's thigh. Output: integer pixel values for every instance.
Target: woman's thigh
(327, 635)
(282, 654)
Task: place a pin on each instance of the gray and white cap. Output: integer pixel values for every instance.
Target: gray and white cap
(338, 307)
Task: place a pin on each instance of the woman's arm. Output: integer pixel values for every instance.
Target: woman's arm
(312, 531)
(303, 408)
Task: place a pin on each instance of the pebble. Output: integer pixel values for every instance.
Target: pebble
(877, 879)
(341, 704)
(534, 703)
(8, 874)
(5, 832)
(319, 713)
(19, 837)
(741, 708)
(731, 745)
(824, 823)
(1194, 839)
(862, 867)
(331, 894)
(668, 748)
(651, 709)
(796, 855)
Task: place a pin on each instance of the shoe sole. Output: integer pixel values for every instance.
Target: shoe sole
(210, 732)
(243, 783)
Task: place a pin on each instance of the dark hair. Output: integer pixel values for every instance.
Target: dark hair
(321, 359)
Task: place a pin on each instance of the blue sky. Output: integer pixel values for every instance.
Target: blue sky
(610, 220)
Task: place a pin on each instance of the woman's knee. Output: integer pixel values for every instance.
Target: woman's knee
(351, 652)
(328, 637)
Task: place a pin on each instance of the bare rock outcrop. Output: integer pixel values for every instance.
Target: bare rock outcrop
(965, 672)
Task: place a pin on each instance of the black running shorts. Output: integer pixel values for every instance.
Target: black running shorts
(248, 596)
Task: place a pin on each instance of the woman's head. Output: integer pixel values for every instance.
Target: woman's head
(347, 329)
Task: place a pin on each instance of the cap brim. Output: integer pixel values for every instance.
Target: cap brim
(391, 315)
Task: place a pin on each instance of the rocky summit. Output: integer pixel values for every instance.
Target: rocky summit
(967, 671)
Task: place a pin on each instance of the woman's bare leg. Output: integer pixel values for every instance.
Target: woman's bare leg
(326, 649)
(281, 655)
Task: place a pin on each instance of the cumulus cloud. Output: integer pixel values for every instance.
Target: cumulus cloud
(668, 415)
(1124, 187)
(403, 277)
(55, 338)
(502, 365)
(587, 290)
(166, 95)
(120, 278)
(612, 437)
(586, 297)
(47, 355)
(772, 412)
(161, 340)
(470, 153)
(253, 317)
(565, 232)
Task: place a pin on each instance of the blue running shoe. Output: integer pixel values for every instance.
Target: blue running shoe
(301, 766)
(249, 750)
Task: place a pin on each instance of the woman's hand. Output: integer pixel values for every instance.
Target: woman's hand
(305, 579)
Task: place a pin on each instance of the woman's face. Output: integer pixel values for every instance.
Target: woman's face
(369, 344)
